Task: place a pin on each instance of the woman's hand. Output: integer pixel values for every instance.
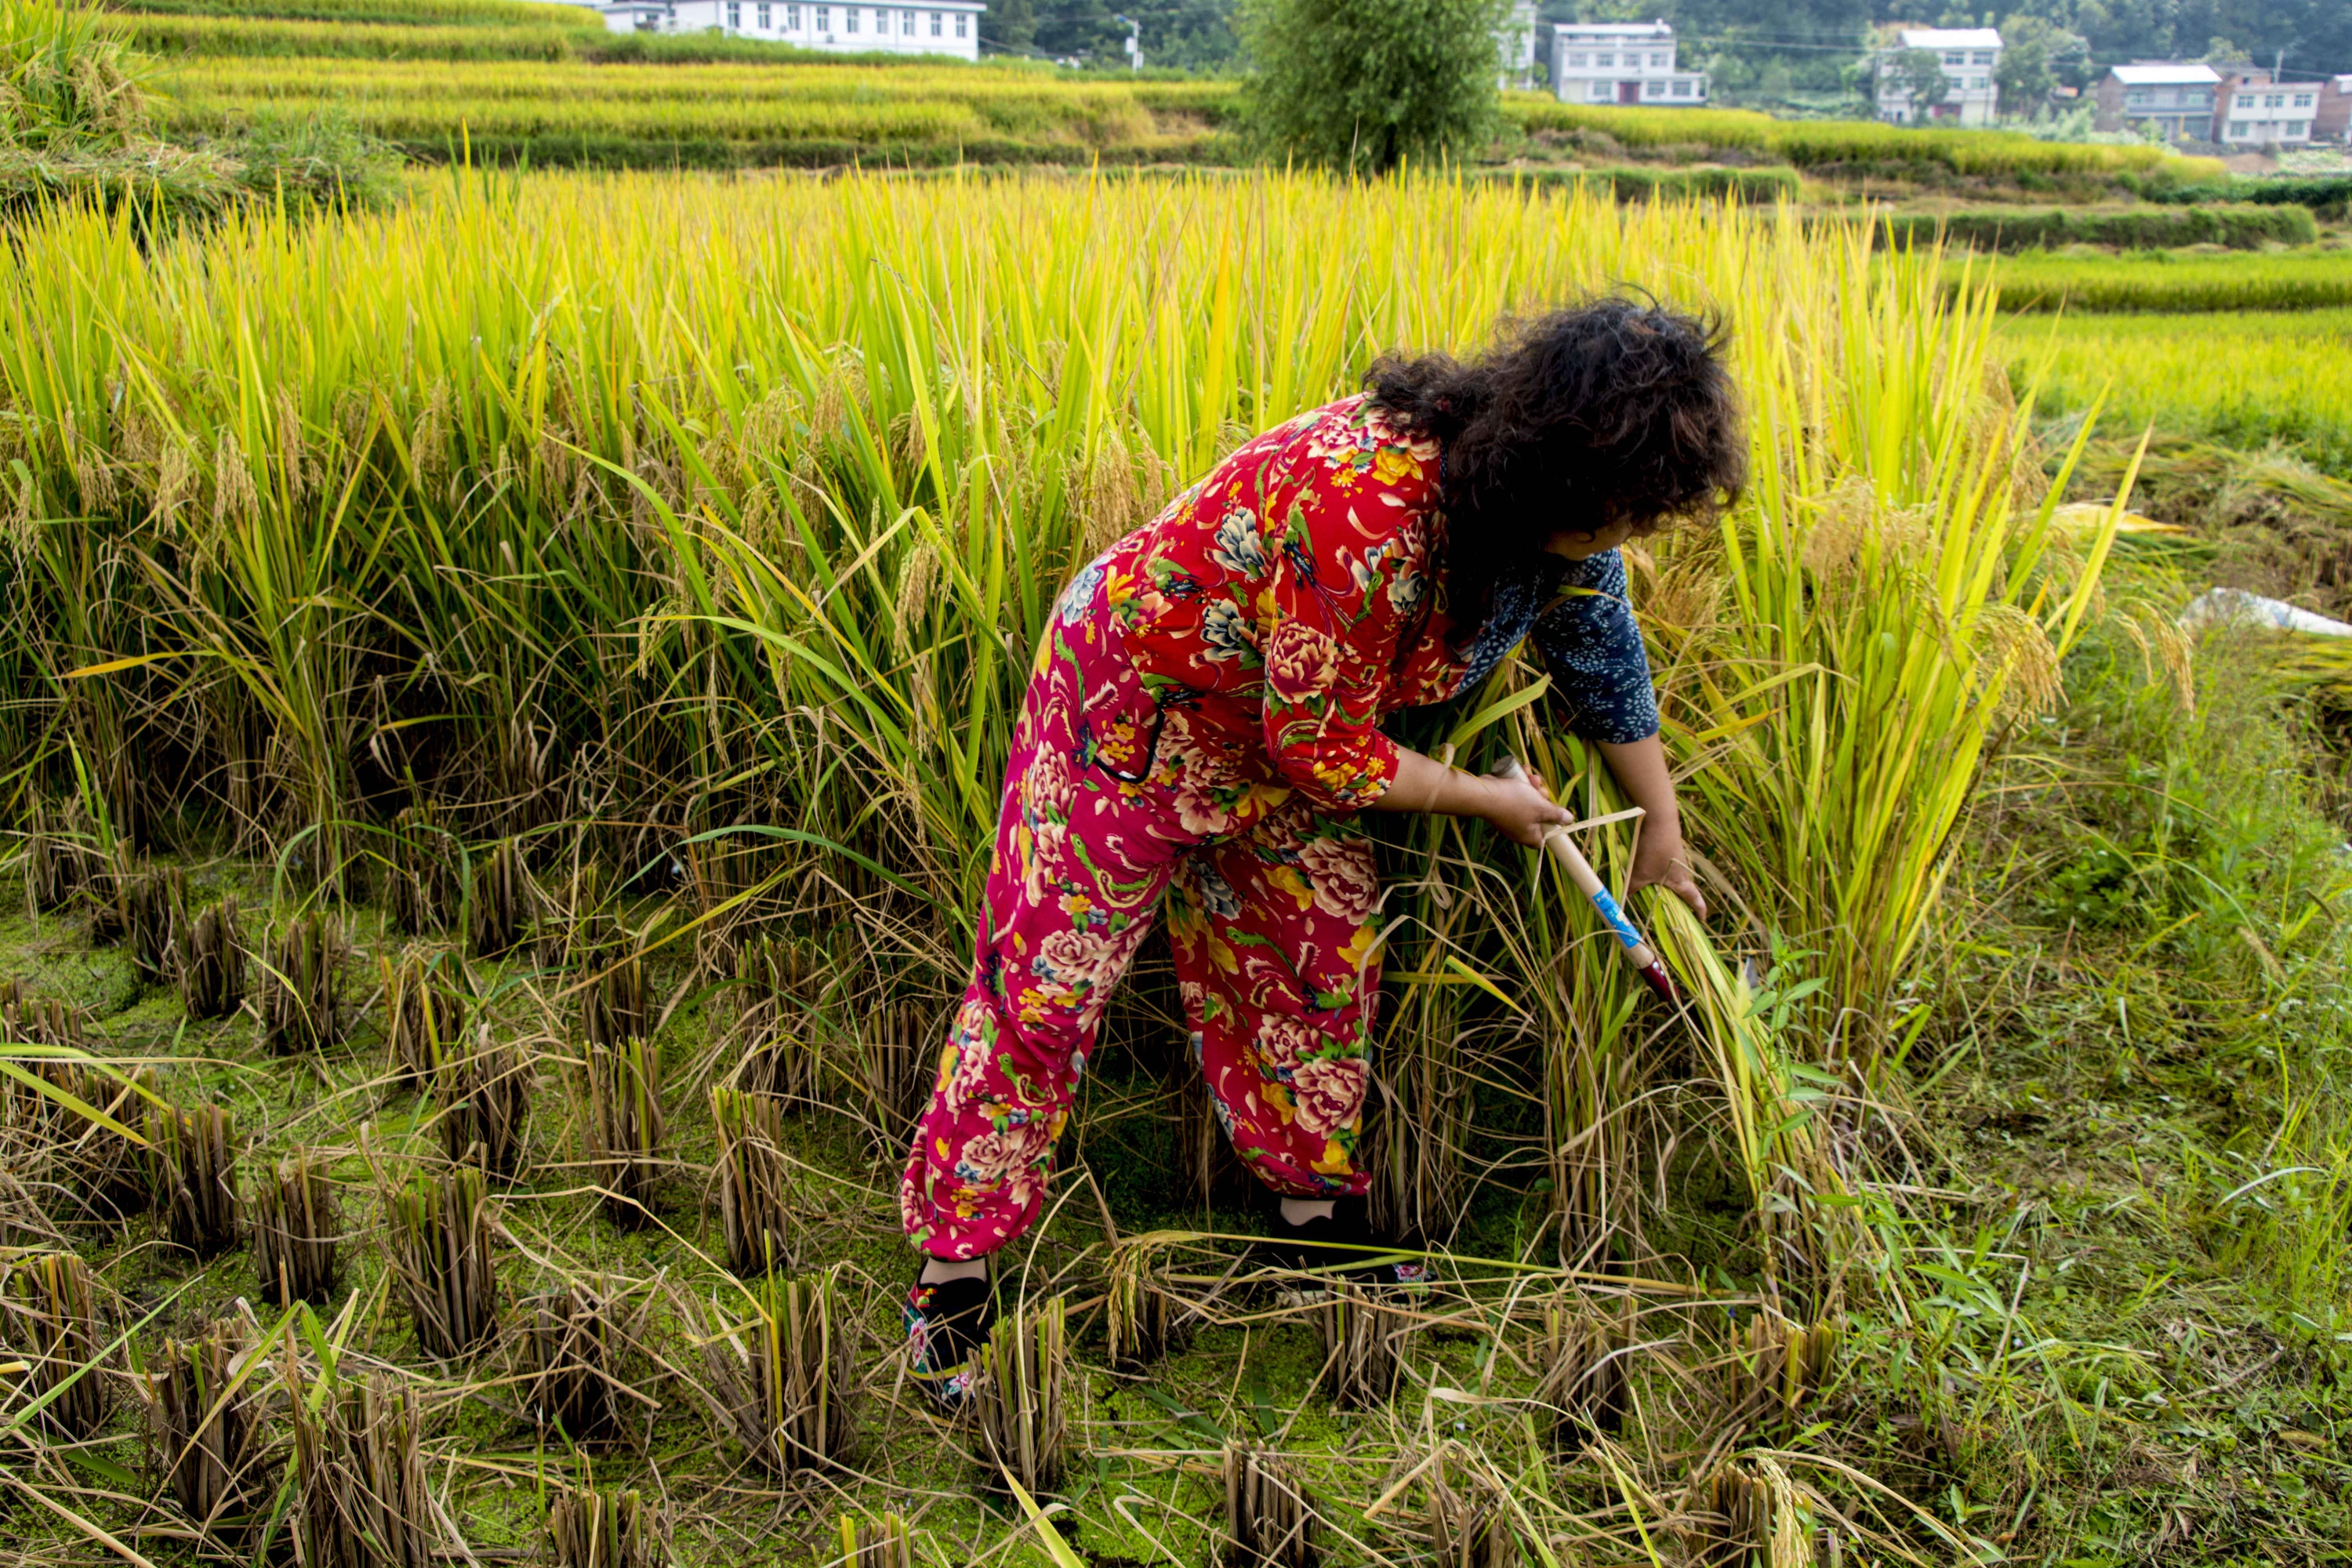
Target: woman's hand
(1517, 807)
(1660, 860)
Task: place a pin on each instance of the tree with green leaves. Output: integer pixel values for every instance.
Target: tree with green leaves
(1918, 75)
(1366, 87)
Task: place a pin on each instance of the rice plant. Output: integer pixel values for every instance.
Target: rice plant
(883, 1544)
(1469, 1521)
(154, 904)
(597, 1527)
(755, 1183)
(774, 1028)
(1365, 1338)
(196, 1154)
(1270, 1520)
(1583, 1361)
(211, 965)
(56, 1319)
(421, 892)
(359, 1492)
(55, 855)
(296, 1230)
(210, 1438)
(613, 1006)
(301, 982)
(424, 1012)
(620, 1124)
(573, 1340)
(899, 1058)
(1020, 1394)
(1143, 1323)
(483, 1096)
(501, 904)
(442, 1260)
(786, 1383)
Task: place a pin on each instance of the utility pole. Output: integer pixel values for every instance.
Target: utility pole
(1134, 41)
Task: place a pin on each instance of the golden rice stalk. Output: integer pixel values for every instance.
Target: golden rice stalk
(607, 1528)
(573, 1340)
(1584, 1361)
(885, 1542)
(300, 985)
(441, 1259)
(501, 904)
(296, 1229)
(1018, 1392)
(1364, 1340)
(360, 1491)
(421, 895)
(1269, 1517)
(209, 1441)
(621, 1131)
(755, 1183)
(1745, 1515)
(424, 1012)
(195, 1173)
(1469, 1523)
(1142, 1316)
(485, 1098)
(155, 919)
(58, 1323)
(212, 963)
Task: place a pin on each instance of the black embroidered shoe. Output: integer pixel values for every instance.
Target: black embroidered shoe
(947, 1322)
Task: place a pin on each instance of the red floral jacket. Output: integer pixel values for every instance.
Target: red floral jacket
(1286, 602)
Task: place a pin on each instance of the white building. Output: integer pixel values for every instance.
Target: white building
(2257, 112)
(948, 27)
(1968, 57)
(1620, 62)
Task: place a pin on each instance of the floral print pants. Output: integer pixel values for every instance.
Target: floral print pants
(1111, 800)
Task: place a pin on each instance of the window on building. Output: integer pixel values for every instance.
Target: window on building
(1956, 59)
(2303, 100)
(2275, 100)
(905, 23)
(792, 18)
(1576, 62)
(1603, 92)
(2237, 128)
(935, 24)
(2297, 130)
(1984, 56)
(2136, 100)
(825, 18)
(1604, 59)
(963, 21)
(734, 16)
(766, 22)
(1657, 62)
(849, 19)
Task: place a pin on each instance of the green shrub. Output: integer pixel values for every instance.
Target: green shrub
(161, 186)
(314, 163)
(2243, 227)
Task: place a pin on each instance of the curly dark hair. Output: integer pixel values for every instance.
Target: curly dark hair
(1614, 411)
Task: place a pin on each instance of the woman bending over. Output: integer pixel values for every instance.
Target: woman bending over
(1203, 727)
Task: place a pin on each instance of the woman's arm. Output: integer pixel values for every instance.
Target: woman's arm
(1519, 809)
(1517, 806)
(1640, 767)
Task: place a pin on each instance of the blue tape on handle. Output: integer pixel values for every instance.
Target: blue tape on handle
(1616, 918)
